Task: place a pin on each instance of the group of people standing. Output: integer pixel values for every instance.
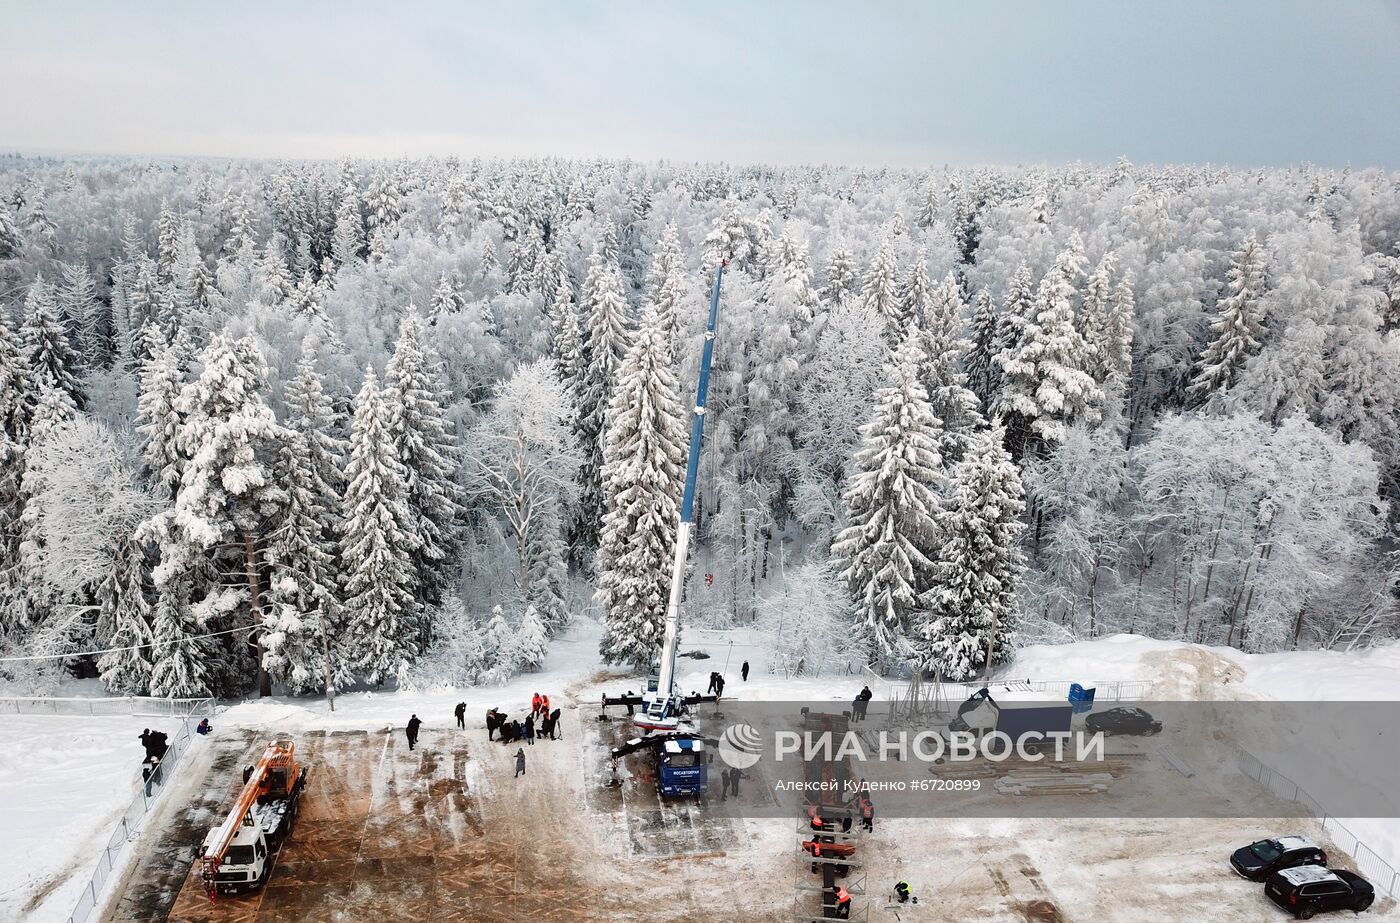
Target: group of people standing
(543, 721)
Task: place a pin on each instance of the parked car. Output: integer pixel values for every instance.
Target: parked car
(1126, 720)
(1310, 889)
(1258, 861)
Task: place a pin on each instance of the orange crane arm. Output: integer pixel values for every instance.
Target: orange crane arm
(278, 755)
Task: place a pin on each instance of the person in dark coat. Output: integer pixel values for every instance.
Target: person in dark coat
(146, 741)
(461, 712)
(412, 731)
(734, 776)
(159, 744)
(520, 762)
(719, 685)
(744, 671)
(554, 724)
(714, 678)
(530, 730)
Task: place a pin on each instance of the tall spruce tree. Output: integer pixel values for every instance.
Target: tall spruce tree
(1238, 327)
(1046, 385)
(881, 292)
(890, 503)
(47, 354)
(641, 481)
(378, 542)
(971, 601)
(424, 442)
(605, 344)
(158, 417)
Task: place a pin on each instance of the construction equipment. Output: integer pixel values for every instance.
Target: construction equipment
(662, 706)
(981, 714)
(237, 854)
(682, 761)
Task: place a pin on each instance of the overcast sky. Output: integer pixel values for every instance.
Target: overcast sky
(918, 83)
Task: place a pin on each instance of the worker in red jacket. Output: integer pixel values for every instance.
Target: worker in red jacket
(535, 704)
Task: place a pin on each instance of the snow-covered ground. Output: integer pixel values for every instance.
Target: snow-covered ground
(64, 781)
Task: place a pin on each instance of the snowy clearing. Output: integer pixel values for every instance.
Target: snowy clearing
(390, 822)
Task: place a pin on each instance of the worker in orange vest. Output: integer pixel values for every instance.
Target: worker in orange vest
(867, 813)
(843, 903)
(544, 704)
(535, 704)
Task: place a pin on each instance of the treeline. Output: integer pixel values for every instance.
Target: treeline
(403, 418)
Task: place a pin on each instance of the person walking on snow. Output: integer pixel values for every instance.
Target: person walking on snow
(461, 712)
(520, 762)
(530, 730)
(554, 725)
(412, 731)
(744, 671)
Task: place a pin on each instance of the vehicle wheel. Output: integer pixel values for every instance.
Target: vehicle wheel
(1307, 913)
(1363, 903)
(1153, 731)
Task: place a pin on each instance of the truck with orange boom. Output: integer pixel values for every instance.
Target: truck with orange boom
(237, 855)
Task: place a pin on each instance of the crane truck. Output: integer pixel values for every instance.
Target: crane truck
(662, 707)
(237, 854)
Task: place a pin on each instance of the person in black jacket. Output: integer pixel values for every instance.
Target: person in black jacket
(412, 731)
(744, 671)
(554, 724)
(461, 712)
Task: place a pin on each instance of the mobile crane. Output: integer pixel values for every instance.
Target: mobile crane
(663, 707)
(237, 854)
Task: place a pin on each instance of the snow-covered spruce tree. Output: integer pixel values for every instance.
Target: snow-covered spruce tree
(971, 601)
(728, 239)
(605, 343)
(377, 545)
(917, 291)
(159, 421)
(881, 291)
(890, 503)
(348, 246)
(86, 319)
(11, 241)
(47, 354)
(124, 621)
(383, 202)
(641, 481)
(181, 660)
(312, 413)
(302, 644)
(666, 285)
(531, 640)
(841, 280)
(446, 299)
(502, 652)
(983, 372)
(955, 406)
(1045, 382)
(15, 395)
(424, 443)
(211, 540)
(1237, 330)
(1093, 316)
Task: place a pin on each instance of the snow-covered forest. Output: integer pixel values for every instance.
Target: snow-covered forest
(411, 417)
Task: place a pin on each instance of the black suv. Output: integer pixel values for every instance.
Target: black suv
(1126, 721)
(1258, 861)
(1310, 889)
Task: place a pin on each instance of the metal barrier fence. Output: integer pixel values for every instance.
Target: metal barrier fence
(105, 706)
(939, 697)
(1376, 870)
